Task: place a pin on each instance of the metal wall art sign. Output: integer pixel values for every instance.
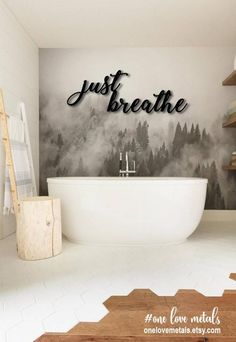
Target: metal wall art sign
(111, 85)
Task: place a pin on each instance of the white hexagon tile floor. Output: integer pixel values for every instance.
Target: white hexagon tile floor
(57, 293)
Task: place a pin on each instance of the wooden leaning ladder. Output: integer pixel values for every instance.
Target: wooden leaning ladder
(38, 232)
(9, 158)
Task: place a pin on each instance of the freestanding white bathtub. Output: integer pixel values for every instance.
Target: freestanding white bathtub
(134, 210)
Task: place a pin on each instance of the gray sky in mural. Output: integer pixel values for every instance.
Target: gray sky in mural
(86, 139)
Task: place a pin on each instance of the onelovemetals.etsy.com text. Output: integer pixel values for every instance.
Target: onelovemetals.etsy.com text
(175, 323)
(182, 330)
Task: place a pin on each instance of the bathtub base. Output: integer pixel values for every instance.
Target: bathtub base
(124, 244)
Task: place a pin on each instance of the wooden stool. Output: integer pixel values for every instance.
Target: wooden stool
(39, 233)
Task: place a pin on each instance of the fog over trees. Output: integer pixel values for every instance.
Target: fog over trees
(187, 152)
(153, 161)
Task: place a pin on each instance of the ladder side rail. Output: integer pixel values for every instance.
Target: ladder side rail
(29, 149)
(9, 157)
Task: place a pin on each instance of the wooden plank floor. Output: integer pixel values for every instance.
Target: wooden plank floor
(95, 338)
(126, 318)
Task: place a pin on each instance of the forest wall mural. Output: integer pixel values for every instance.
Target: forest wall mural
(86, 140)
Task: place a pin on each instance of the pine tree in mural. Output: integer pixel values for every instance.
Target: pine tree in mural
(161, 159)
(205, 137)
(59, 143)
(145, 137)
(215, 199)
(139, 133)
(142, 135)
(191, 135)
(178, 141)
(185, 132)
(151, 164)
(205, 143)
(197, 171)
(133, 145)
(143, 169)
(111, 164)
(197, 135)
(194, 137)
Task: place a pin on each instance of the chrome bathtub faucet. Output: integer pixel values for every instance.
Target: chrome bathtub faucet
(126, 172)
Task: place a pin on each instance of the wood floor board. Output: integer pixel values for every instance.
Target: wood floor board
(125, 320)
(94, 338)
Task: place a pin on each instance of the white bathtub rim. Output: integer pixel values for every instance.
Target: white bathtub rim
(79, 180)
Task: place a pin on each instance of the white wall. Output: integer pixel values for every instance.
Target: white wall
(19, 81)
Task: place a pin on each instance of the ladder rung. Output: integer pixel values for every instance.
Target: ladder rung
(4, 114)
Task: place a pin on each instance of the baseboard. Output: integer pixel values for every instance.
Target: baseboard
(219, 215)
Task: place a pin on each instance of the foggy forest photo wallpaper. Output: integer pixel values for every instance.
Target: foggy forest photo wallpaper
(87, 141)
